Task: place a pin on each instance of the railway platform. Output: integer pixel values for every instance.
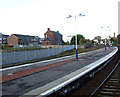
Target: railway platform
(43, 78)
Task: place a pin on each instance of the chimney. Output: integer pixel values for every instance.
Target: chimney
(48, 29)
(114, 34)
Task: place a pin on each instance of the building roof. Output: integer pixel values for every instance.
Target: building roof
(3, 35)
(25, 36)
(55, 33)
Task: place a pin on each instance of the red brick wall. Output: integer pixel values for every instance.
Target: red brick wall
(47, 43)
(12, 40)
(49, 34)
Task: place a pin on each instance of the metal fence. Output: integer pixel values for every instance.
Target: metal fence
(17, 57)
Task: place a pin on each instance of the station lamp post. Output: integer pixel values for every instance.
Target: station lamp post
(105, 43)
(106, 37)
(75, 16)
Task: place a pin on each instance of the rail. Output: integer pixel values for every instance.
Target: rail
(105, 79)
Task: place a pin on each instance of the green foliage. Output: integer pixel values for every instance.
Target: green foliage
(67, 43)
(82, 41)
(89, 41)
(7, 46)
(79, 36)
(114, 41)
(92, 42)
(99, 40)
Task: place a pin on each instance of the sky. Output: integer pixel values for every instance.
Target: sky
(34, 17)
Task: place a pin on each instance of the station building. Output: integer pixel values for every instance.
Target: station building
(52, 38)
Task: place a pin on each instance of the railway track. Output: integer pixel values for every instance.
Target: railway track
(110, 87)
(105, 83)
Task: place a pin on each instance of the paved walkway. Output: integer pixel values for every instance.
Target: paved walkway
(30, 71)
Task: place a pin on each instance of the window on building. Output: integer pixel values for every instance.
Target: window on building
(46, 36)
(4, 41)
(4, 38)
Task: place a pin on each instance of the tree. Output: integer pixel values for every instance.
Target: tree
(82, 41)
(113, 41)
(67, 43)
(93, 42)
(88, 41)
(98, 38)
(79, 36)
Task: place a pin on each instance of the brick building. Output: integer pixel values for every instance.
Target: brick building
(3, 38)
(118, 40)
(52, 38)
(18, 39)
(47, 41)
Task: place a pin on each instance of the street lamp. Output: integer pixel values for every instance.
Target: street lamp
(109, 41)
(106, 37)
(105, 43)
(75, 16)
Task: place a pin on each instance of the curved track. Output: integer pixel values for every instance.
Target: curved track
(105, 83)
(111, 85)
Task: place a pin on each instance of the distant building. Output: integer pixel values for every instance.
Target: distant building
(41, 40)
(3, 38)
(118, 37)
(114, 34)
(48, 41)
(52, 38)
(18, 39)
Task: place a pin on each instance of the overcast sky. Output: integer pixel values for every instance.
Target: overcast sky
(33, 17)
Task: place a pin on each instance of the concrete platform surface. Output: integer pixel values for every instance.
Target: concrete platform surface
(44, 78)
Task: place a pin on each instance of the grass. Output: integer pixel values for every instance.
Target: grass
(66, 53)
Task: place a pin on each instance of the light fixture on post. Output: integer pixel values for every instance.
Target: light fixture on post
(106, 29)
(75, 16)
